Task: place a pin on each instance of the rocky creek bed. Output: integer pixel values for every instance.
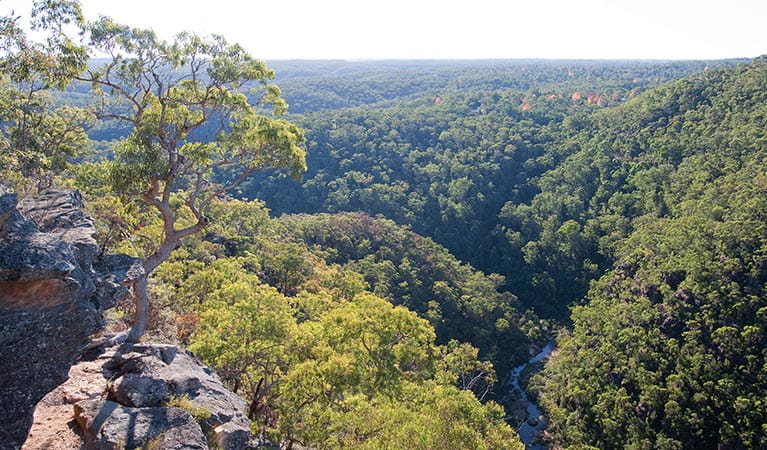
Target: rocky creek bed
(533, 424)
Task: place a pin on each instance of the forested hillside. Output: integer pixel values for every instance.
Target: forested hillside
(659, 197)
(365, 252)
(453, 162)
(326, 85)
(670, 350)
(454, 150)
(405, 268)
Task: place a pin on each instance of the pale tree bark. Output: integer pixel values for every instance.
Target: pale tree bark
(141, 319)
(172, 240)
(140, 294)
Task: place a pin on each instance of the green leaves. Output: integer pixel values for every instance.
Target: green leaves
(49, 64)
(459, 302)
(56, 14)
(258, 142)
(322, 363)
(40, 141)
(134, 167)
(353, 373)
(189, 115)
(189, 118)
(670, 349)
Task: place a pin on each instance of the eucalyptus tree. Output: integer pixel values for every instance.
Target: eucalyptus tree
(38, 140)
(196, 105)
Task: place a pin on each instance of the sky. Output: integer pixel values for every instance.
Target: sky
(447, 29)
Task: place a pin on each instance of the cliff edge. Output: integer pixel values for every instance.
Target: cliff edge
(53, 290)
(55, 285)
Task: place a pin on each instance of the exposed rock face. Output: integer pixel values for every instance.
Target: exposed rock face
(148, 375)
(53, 290)
(109, 425)
(54, 287)
(119, 397)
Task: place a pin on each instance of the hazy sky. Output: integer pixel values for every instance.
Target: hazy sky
(371, 29)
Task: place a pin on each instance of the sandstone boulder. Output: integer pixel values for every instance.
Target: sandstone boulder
(146, 375)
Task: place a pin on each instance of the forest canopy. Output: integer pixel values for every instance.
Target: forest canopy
(367, 266)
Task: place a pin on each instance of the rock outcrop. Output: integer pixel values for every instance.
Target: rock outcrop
(147, 376)
(54, 287)
(110, 425)
(141, 396)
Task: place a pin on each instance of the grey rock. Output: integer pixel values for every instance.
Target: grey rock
(58, 214)
(114, 273)
(109, 425)
(52, 292)
(144, 367)
(262, 444)
(136, 390)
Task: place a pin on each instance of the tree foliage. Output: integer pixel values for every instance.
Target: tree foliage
(167, 92)
(321, 361)
(670, 350)
(460, 302)
(38, 140)
(359, 373)
(450, 149)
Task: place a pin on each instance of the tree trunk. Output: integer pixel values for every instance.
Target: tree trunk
(141, 320)
(140, 296)
(173, 238)
(254, 410)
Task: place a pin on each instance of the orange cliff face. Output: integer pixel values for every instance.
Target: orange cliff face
(19, 295)
(577, 96)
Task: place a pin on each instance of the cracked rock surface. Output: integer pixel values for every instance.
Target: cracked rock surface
(118, 397)
(148, 375)
(110, 425)
(53, 290)
(54, 287)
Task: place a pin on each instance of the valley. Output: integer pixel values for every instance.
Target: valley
(394, 253)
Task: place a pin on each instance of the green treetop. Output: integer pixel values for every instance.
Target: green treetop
(37, 140)
(190, 115)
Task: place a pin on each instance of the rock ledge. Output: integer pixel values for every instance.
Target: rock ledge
(54, 288)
